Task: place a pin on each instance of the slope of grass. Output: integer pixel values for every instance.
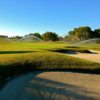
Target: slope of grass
(12, 64)
(18, 58)
(82, 48)
(92, 46)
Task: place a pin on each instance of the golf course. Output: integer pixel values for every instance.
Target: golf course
(53, 59)
(49, 50)
(21, 57)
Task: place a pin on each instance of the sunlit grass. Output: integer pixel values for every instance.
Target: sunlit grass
(91, 46)
(31, 46)
(17, 58)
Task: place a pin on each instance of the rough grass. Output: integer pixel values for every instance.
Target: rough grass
(91, 46)
(13, 64)
(18, 58)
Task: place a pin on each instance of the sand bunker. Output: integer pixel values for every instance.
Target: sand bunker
(94, 56)
(53, 86)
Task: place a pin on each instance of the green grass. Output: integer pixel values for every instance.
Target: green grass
(17, 58)
(31, 46)
(75, 49)
(91, 46)
(13, 64)
(5, 40)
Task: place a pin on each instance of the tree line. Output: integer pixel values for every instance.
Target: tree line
(77, 34)
(82, 33)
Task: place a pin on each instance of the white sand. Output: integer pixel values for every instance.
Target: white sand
(53, 86)
(95, 57)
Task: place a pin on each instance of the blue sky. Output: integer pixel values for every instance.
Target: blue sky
(20, 17)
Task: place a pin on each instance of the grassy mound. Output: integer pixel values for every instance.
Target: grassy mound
(21, 63)
(18, 58)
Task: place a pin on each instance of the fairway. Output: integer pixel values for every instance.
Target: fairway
(24, 46)
(49, 50)
(17, 58)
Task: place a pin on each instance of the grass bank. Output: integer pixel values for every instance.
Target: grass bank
(13, 64)
(18, 58)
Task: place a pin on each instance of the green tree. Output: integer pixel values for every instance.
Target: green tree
(97, 33)
(16, 37)
(50, 36)
(81, 33)
(60, 38)
(36, 34)
(70, 33)
(84, 32)
(3, 36)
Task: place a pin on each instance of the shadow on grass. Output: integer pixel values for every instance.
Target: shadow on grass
(14, 52)
(65, 51)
